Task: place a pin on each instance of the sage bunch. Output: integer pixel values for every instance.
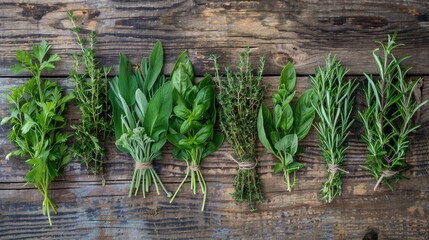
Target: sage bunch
(281, 131)
(91, 91)
(387, 119)
(36, 118)
(191, 124)
(239, 100)
(334, 106)
(142, 103)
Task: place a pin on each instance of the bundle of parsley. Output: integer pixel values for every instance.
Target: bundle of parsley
(36, 120)
(142, 104)
(240, 97)
(91, 97)
(387, 120)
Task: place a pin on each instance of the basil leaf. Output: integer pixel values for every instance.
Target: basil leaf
(214, 144)
(304, 114)
(264, 123)
(278, 167)
(182, 112)
(288, 78)
(203, 134)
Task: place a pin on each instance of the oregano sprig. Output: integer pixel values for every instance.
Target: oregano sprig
(281, 131)
(90, 89)
(334, 106)
(191, 124)
(36, 118)
(240, 98)
(387, 120)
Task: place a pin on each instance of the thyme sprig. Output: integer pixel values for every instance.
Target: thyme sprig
(240, 98)
(334, 107)
(91, 91)
(387, 120)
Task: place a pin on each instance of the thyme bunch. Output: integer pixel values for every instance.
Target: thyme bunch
(334, 107)
(240, 98)
(91, 91)
(387, 120)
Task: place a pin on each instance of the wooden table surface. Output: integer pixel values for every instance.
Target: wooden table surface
(303, 31)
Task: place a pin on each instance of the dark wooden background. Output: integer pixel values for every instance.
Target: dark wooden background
(303, 31)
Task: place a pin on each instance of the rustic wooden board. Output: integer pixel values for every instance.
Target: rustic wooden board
(303, 31)
(86, 210)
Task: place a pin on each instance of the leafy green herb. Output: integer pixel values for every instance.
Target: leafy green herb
(333, 106)
(91, 95)
(387, 120)
(36, 110)
(191, 125)
(142, 103)
(280, 132)
(240, 98)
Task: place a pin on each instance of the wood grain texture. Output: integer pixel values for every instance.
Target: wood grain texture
(303, 31)
(86, 210)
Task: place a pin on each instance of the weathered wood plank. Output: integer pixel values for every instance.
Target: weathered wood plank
(87, 210)
(304, 31)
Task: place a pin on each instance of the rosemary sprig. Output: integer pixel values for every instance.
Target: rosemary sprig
(387, 120)
(333, 106)
(240, 97)
(91, 91)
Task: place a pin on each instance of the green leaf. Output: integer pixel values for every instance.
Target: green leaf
(159, 111)
(175, 139)
(304, 114)
(288, 143)
(27, 126)
(156, 61)
(288, 77)
(142, 104)
(203, 134)
(180, 76)
(182, 112)
(186, 126)
(17, 68)
(127, 82)
(286, 121)
(204, 97)
(214, 145)
(264, 123)
(278, 167)
(24, 57)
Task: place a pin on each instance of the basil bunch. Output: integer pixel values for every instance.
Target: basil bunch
(280, 132)
(36, 116)
(142, 104)
(191, 125)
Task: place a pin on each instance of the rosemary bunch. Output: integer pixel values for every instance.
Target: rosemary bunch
(333, 106)
(142, 104)
(281, 131)
(240, 97)
(191, 125)
(91, 97)
(387, 120)
(36, 118)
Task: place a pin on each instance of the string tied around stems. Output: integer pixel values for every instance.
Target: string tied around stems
(333, 169)
(385, 174)
(143, 165)
(195, 168)
(247, 165)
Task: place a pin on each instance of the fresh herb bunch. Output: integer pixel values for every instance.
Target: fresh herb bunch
(91, 88)
(191, 125)
(142, 103)
(36, 117)
(280, 132)
(387, 120)
(334, 107)
(240, 97)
